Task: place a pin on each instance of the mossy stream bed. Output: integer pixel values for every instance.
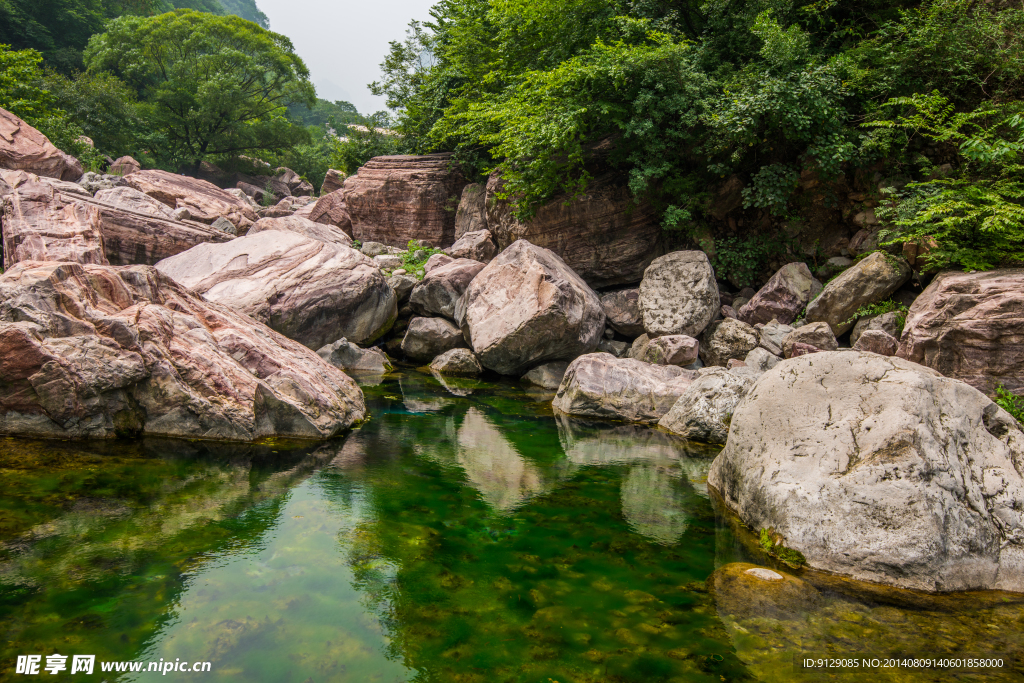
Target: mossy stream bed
(463, 534)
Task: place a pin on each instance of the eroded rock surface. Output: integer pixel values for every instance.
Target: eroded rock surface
(303, 226)
(309, 291)
(205, 201)
(622, 308)
(783, 297)
(866, 282)
(727, 339)
(882, 470)
(704, 411)
(101, 351)
(23, 148)
(456, 362)
(43, 224)
(478, 246)
(678, 294)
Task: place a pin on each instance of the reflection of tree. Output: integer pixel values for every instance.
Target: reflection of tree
(105, 573)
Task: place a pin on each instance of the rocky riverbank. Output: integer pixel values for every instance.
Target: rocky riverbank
(856, 415)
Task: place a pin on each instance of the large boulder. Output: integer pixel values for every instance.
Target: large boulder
(601, 385)
(880, 469)
(124, 166)
(102, 351)
(527, 307)
(477, 245)
(817, 336)
(970, 326)
(471, 215)
(622, 309)
(296, 185)
(601, 233)
(671, 349)
(331, 210)
(23, 148)
(303, 226)
(43, 224)
(129, 199)
(309, 291)
(727, 339)
(427, 338)
(678, 294)
(783, 296)
(866, 282)
(877, 341)
(394, 199)
(442, 287)
(704, 411)
(205, 201)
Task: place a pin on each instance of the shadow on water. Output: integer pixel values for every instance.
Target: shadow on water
(465, 533)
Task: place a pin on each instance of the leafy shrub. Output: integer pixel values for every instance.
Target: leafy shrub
(881, 308)
(740, 260)
(1011, 403)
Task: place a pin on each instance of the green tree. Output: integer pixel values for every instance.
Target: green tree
(208, 85)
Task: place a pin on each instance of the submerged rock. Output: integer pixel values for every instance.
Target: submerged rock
(547, 376)
(102, 351)
(880, 469)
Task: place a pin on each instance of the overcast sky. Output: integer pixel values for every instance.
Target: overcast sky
(343, 42)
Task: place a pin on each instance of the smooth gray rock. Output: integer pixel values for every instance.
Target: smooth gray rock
(761, 360)
(771, 335)
(527, 307)
(880, 469)
(347, 356)
(867, 282)
(443, 286)
(372, 249)
(403, 285)
(704, 411)
(616, 348)
(725, 339)
(678, 294)
(547, 376)
(456, 362)
(601, 385)
(622, 309)
(427, 338)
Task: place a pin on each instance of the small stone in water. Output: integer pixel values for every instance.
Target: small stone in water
(764, 574)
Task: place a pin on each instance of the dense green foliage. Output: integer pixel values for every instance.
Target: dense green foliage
(1011, 403)
(689, 93)
(323, 113)
(208, 85)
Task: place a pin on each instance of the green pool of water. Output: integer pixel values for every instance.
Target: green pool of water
(463, 534)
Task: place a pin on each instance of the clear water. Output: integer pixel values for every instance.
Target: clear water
(463, 534)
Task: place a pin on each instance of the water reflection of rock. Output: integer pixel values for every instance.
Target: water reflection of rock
(493, 466)
(654, 504)
(419, 398)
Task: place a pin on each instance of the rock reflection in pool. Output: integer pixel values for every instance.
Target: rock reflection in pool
(480, 540)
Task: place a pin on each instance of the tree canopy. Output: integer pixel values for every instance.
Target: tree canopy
(208, 85)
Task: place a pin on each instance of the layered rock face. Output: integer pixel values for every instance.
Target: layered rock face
(601, 385)
(970, 326)
(394, 199)
(880, 469)
(101, 351)
(205, 201)
(50, 220)
(866, 282)
(678, 294)
(309, 291)
(333, 181)
(471, 215)
(42, 224)
(527, 307)
(23, 148)
(603, 235)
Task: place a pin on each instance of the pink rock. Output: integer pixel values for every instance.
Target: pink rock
(970, 326)
(205, 201)
(783, 297)
(733, 363)
(671, 349)
(394, 199)
(877, 341)
(330, 209)
(43, 224)
(800, 349)
(125, 166)
(23, 148)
